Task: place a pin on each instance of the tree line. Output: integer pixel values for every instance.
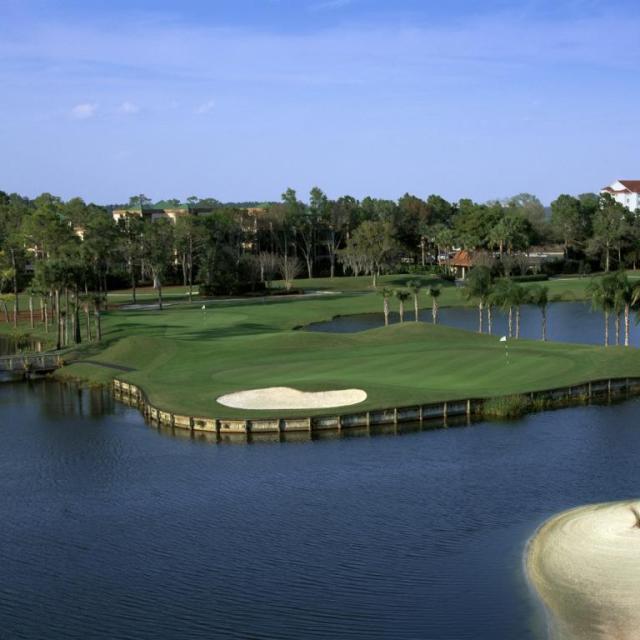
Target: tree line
(68, 254)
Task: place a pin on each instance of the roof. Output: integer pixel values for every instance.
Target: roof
(462, 258)
(632, 186)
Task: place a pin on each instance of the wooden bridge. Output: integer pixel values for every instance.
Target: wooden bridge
(28, 366)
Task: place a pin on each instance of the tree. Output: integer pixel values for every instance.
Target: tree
(510, 233)
(402, 296)
(268, 264)
(434, 291)
(158, 252)
(375, 245)
(478, 287)
(602, 293)
(130, 246)
(412, 217)
(609, 229)
(188, 237)
(539, 296)
(415, 287)
(386, 293)
(290, 268)
(624, 299)
(337, 218)
(501, 297)
(566, 220)
(519, 297)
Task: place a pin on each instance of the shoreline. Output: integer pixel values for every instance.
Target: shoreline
(582, 564)
(471, 409)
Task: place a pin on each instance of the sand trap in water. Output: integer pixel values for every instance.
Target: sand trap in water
(288, 398)
(585, 565)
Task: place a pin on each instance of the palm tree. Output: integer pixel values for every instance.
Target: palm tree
(402, 296)
(414, 287)
(98, 300)
(519, 297)
(602, 295)
(386, 293)
(434, 291)
(501, 297)
(478, 287)
(625, 294)
(539, 296)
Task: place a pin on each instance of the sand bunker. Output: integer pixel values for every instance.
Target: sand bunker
(288, 398)
(585, 565)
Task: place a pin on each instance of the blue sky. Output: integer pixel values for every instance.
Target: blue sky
(240, 99)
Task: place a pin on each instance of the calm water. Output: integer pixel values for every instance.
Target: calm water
(566, 322)
(114, 530)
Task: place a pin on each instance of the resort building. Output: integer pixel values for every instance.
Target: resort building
(158, 211)
(626, 192)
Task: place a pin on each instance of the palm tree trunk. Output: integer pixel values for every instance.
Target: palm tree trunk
(4, 309)
(31, 323)
(415, 305)
(58, 320)
(480, 316)
(490, 319)
(88, 316)
(617, 329)
(133, 281)
(190, 268)
(386, 312)
(544, 323)
(45, 313)
(606, 328)
(42, 303)
(77, 333)
(98, 322)
(510, 322)
(401, 311)
(626, 325)
(518, 321)
(66, 316)
(434, 311)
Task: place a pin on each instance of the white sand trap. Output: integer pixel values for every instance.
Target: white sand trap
(585, 565)
(288, 398)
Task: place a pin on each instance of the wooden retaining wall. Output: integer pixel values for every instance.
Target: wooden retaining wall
(473, 407)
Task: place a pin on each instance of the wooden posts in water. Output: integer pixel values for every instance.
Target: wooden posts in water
(442, 411)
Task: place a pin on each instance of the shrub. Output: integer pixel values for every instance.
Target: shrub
(506, 407)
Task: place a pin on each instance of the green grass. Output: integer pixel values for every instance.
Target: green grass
(185, 358)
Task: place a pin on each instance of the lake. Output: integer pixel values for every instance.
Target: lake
(567, 322)
(112, 529)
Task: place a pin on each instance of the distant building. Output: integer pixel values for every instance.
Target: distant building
(460, 263)
(626, 192)
(172, 212)
(156, 212)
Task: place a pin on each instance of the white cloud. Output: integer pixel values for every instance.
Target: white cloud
(84, 110)
(128, 108)
(205, 107)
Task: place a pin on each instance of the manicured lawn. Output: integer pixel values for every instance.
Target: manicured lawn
(185, 358)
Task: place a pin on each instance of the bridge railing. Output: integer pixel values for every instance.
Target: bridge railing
(41, 361)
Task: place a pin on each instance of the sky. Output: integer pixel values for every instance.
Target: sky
(240, 99)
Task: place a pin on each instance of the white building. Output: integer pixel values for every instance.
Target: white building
(626, 192)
